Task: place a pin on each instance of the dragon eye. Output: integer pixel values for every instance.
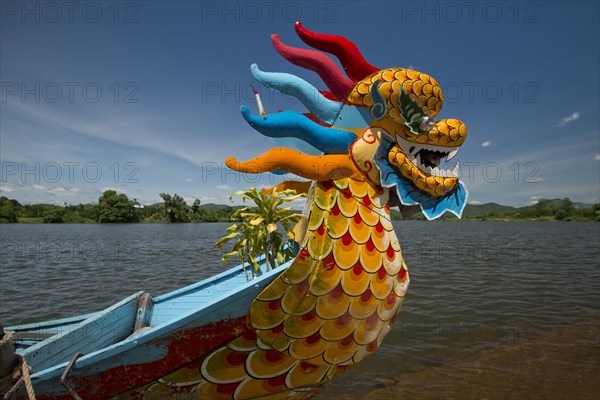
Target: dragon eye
(427, 124)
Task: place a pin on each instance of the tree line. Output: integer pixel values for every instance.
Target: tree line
(543, 210)
(113, 207)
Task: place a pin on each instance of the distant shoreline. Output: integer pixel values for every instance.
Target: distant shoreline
(456, 219)
(117, 208)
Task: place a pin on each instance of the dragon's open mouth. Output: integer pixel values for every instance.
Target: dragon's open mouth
(428, 158)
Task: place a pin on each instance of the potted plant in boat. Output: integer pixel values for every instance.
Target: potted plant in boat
(257, 233)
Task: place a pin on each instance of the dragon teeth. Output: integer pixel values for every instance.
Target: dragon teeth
(411, 150)
(456, 170)
(452, 153)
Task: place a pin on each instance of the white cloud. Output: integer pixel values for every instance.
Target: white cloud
(39, 187)
(63, 191)
(224, 187)
(597, 157)
(532, 200)
(573, 117)
(486, 143)
(475, 202)
(6, 189)
(189, 180)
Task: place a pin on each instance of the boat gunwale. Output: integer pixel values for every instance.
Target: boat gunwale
(172, 325)
(161, 298)
(53, 323)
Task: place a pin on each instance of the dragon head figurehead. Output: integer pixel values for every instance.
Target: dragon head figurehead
(370, 143)
(374, 125)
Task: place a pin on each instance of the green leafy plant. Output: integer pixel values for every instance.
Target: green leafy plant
(112, 208)
(175, 208)
(257, 231)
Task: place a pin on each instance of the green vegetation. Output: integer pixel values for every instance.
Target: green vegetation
(113, 207)
(9, 210)
(543, 210)
(257, 231)
(116, 208)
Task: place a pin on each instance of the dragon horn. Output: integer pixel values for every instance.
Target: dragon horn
(355, 65)
(323, 108)
(318, 62)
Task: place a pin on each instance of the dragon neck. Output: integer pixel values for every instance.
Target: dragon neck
(349, 210)
(351, 234)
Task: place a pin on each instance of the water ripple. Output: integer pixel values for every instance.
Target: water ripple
(476, 288)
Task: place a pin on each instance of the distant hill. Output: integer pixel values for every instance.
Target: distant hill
(214, 206)
(551, 209)
(548, 203)
(557, 203)
(471, 210)
(207, 207)
(479, 210)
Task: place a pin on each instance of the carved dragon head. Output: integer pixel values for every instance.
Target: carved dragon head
(375, 125)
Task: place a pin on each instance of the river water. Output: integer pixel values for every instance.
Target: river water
(495, 310)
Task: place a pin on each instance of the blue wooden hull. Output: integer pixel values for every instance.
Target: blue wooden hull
(139, 339)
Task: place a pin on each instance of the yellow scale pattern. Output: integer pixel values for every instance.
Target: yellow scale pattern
(420, 87)
(325, 313)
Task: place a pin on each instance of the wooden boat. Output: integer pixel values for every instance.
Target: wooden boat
(138, 340)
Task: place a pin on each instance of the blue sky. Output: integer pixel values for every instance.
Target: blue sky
(144, 97)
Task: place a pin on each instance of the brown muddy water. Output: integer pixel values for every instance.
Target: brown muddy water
(495, 310)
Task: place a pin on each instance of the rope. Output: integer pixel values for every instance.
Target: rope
(21, 375)
(26, 378)
(5, 339)
(22, 372)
